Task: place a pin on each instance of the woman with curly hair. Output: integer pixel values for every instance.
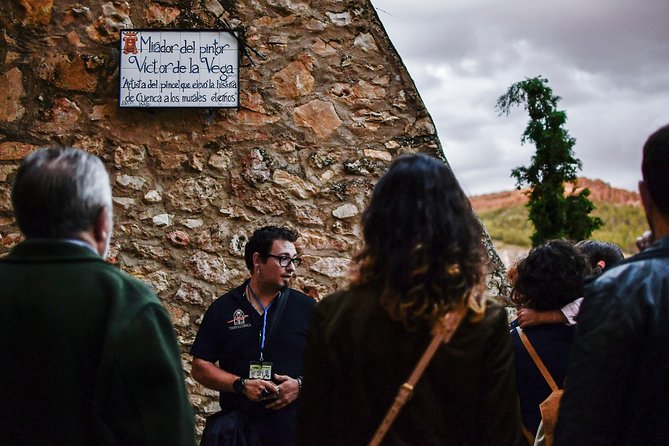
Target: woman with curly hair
(422, 258)
(550, 277)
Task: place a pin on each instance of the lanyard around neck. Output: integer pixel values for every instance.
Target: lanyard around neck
(263, 336)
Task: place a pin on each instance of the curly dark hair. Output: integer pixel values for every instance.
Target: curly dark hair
(262, 239)
(422, 241)
(550, 276)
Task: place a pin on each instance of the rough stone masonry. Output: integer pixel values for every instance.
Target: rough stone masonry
(326, 104)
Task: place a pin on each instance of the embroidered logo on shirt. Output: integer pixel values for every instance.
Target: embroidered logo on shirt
(238, 320)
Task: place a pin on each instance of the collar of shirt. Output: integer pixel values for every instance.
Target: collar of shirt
(78, 242)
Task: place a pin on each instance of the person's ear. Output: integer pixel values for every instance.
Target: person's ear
(648, 204)
(643, 192)
(257, 259)
(102, 228)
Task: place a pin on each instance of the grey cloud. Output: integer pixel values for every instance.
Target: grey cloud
(616, 37)
(607, 59)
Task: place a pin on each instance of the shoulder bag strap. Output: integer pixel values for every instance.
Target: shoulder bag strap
(443, 331)
(537, 360)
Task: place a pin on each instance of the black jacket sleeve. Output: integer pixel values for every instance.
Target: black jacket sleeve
(607, 335)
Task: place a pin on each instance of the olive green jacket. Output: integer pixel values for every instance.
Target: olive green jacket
(89, 355)
(357, 358)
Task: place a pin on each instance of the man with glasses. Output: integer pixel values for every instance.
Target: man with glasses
(257, 334)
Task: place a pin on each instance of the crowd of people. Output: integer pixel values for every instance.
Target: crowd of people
(409, 352)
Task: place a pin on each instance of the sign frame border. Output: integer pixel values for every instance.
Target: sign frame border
(232, 32)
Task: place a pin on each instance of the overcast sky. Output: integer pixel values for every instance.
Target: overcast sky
(607, 59)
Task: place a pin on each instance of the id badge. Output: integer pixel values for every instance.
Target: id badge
(260, 370)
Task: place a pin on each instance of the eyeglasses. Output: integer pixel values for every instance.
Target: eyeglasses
(284, 261)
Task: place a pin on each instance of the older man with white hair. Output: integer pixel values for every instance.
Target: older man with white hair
(89, 355)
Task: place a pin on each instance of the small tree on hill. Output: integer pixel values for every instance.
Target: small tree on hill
(552, 214)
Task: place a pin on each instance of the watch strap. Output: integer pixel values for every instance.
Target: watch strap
(239, 385)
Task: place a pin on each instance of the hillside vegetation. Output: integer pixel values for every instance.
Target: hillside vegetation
(505, 216)
(622, 225)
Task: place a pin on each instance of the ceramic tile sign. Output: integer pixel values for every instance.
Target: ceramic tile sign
(176, 68)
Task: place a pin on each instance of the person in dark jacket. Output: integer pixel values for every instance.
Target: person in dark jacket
(550, 277)
(89, 355)
(422, 258)
(617, 388)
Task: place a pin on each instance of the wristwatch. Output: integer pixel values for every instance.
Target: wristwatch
(238, 385)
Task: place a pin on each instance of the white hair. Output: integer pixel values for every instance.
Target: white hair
(59, 192)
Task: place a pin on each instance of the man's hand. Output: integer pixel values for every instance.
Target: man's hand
(289, 389)
(260, 390)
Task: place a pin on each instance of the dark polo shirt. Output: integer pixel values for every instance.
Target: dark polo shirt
(230, 336)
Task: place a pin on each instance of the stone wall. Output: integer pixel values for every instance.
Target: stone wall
(326, 104)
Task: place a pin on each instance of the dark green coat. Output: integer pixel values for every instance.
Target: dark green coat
(89, 355)
(357, 358)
